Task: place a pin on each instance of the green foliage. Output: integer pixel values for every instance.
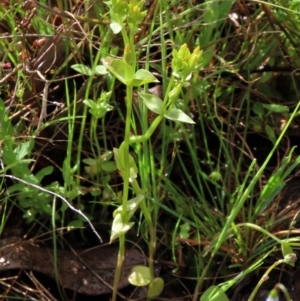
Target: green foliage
(124, 72)
(184, 62)
(85, 70)
(276, 182)
(220, 192)
(16, 158)
(32, 200)
(102, 164)
(155, 288)
(123, 13)
(265, 114)
(140, 276)
(210, 294)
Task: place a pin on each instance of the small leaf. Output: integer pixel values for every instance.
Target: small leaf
(214, 293)
(258, 109)
(44, 172)
(155, 288)
(44, 207)
(271, 134)
(119, 227)
(115, 27)
(139, 276)
(96, 193)
(119, 69)
(109, 166)
(24, 149)
(152, 102)
(82, 69)
(286, 248)
(101, 70)
(143, 77)
(178, 115)
(92, 170)
(90, 103)
(74, 224)
(185, 231)
(89, 161)
(265, 77)
(174, 93)
(132, 205)
(275, 108)
(17, 187)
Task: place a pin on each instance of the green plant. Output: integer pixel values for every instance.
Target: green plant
(197, 175)
(15, 153)
(184, 64)
(263, 118)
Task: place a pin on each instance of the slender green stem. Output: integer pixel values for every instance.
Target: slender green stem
(149, 133)
(147, 216)
(126, 171)
(125, 176)
(118, 271)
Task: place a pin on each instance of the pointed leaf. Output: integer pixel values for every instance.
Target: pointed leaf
(119, 155)
(119, 227)
(132, 206)
(275, 108)
(119, 69)
(214, 293)
(286, 248)
(90, 103)
(82, 69)
(115, 27)
(258, 109)
(44, 172)
(24, 149)
(109, 166)
(101, 70)
(89, 161)
(152, 102)
(178, 115)
(143, 77)
(271, 134)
